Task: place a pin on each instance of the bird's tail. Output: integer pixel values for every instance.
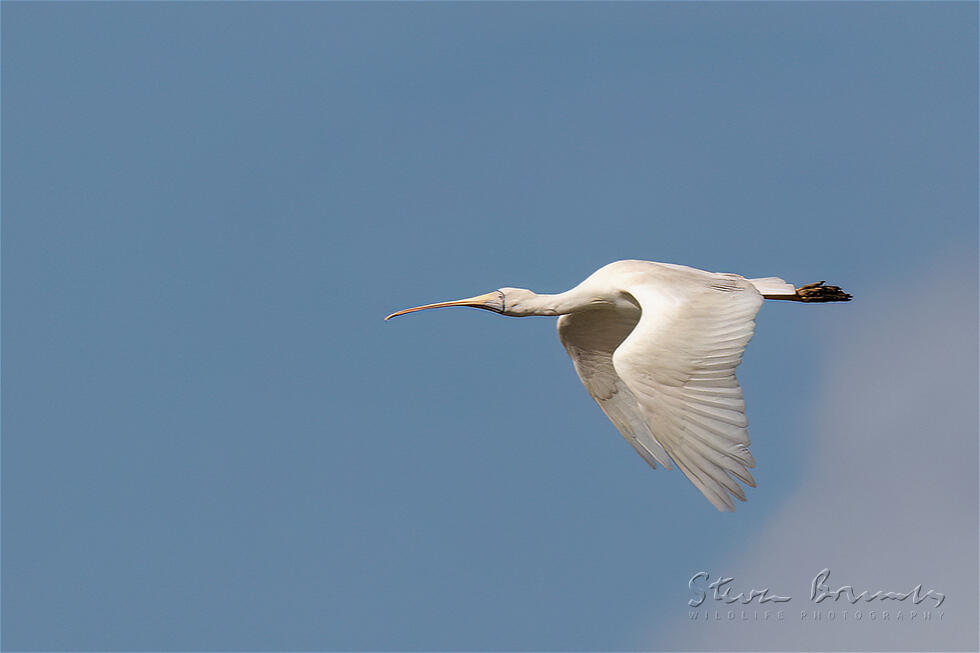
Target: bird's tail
(776, 288)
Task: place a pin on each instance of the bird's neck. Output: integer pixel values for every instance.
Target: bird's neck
(559, 304)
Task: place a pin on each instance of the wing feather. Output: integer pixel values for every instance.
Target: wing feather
(590, 338)
(679, 362)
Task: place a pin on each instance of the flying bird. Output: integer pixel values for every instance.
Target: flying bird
(656, 345)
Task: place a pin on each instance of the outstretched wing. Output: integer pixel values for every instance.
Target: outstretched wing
(590, 338)
(679, 364)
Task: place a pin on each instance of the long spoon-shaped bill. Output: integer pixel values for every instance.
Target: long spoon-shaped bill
(492, 301)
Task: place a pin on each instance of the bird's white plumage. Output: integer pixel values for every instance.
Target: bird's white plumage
(774, 287)
(656, 345)
(665, 375)
(590, 338)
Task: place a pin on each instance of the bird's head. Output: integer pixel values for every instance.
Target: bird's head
(506, 301)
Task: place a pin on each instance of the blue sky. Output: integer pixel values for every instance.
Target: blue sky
(211, 441)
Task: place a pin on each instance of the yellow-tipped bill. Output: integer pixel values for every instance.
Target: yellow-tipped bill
(492, 301)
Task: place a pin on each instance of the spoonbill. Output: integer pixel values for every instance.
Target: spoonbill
(656, 345)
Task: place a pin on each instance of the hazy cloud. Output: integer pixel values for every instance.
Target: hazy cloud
(890, 495)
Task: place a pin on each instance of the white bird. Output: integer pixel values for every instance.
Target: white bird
(656, 345)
